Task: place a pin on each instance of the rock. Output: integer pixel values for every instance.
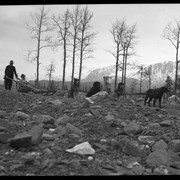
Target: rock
(94, 112)
(132, 127)
(2, 129)
(72, 128)
(21, 115)
(109, 117)
(3, 114)
(174, 145)
(88, 114)
(55, 102)
(147, 139)
(36, 134)
(165, 123)
(16, 167)
(83, 148)
(161, 170)
(63, 120)
(20, 140)
(130, 148)
(60, 131)
(158, 157)
(154, 125)
(30, 157)
(4, 123)
(48, 137)
(159, 145)
(46, 119)
(5, 136)
(47, 151)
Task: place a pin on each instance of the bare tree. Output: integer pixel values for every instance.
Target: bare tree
(172, 33)
(50, 69)
(39, 28)
(62, 23)
(128, 43)
(86, 38)
(124, 39)
(117, 32)
(75, 17)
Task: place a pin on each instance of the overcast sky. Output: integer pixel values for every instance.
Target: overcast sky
(151, 19)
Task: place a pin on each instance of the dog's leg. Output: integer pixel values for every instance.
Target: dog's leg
(154, 102)
(149, 101)
(160, 102)
(145, 100)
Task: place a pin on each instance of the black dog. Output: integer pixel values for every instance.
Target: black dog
(155, 94)
(74, 89)
(95, 89)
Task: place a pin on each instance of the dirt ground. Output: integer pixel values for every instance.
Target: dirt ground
(125, 136)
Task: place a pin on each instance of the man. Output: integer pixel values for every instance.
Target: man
(9, 75)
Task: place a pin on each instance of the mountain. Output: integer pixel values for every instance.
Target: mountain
(158, 75)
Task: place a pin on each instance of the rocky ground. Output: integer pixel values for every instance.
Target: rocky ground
(40, 136)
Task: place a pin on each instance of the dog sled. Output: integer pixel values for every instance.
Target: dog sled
(25, 87)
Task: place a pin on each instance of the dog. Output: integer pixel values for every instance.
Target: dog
(74, 89)
(95, 89)
(155, 94)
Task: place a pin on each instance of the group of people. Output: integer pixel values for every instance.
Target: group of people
(119, 91)
(10, 72)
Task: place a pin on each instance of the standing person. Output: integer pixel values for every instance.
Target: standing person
(9, 73)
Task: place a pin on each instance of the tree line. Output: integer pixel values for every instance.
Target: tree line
(72, 32)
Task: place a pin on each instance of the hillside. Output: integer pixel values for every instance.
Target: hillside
(59, 136)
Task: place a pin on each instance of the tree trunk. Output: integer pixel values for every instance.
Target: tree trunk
(125, 65)
(64, 66)
(81, 57)
(176, 75)
(73, 63)
(37, 68)
(117, 63)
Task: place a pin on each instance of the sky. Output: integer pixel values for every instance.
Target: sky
(151, 19)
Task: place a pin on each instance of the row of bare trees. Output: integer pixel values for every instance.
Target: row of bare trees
(74, 35)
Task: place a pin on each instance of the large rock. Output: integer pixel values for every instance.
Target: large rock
(63, 120)
(72, 128)
(109, 117)
(46, 119)
(36, 134)
(132, 127)
(55, 102)
(166, 123)
(21, 115)
(159, 145)
(21, 140)
(174, 145)
(158, 157)
(132, 149)
(5, 136)
(60, 131)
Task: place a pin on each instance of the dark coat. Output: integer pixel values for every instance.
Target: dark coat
(10, 71)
